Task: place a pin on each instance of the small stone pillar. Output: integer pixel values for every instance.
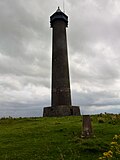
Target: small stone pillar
(86, 127)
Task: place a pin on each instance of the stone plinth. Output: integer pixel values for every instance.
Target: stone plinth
(62, 110)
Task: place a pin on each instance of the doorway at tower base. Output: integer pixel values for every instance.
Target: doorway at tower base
(62, 110)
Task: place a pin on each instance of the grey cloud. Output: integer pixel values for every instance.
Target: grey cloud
(25, 54)
(91, 25)
(90, 98)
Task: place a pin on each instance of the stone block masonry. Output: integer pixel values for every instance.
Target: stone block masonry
(61, 103)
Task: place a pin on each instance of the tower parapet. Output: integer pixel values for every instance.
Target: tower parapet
(59, 15)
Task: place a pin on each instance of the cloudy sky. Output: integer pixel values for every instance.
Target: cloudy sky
(25, 55)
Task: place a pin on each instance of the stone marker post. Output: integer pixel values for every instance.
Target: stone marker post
(86, 127)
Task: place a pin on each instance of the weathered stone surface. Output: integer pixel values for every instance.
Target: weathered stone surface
(61, 104)
(62, 110)
(76, 110)
(61, 94)
(86, 127)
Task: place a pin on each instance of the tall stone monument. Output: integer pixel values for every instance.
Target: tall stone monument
(61, 104)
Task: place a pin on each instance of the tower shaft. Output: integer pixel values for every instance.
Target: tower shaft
(61, 94)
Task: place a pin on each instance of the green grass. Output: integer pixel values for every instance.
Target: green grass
(55, 138)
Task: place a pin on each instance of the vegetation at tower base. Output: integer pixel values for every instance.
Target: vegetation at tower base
(52, 138)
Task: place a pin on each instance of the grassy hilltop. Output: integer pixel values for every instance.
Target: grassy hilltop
(55, 138)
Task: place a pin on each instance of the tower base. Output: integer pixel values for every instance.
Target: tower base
(62, 110)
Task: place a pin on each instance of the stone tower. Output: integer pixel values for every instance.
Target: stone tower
(60, 70)
(60, 92)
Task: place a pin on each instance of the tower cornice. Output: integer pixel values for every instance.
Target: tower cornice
(58, 15)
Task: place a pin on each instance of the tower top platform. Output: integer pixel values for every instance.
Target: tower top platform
(58, 15)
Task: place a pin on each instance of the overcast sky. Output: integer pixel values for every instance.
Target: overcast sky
(25, 55)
